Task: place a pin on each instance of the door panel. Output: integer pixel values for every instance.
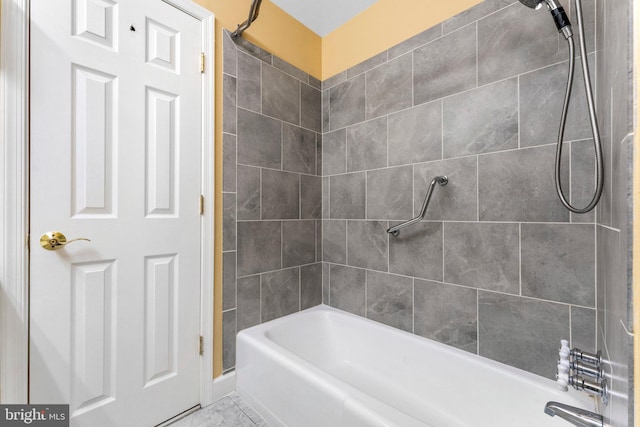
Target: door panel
(115, 157)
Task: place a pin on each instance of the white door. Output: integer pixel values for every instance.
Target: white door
(115, 158)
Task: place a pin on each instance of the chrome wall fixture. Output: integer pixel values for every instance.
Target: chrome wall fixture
(583, 371)
(253, 15)
(442, 180)
(564, 26)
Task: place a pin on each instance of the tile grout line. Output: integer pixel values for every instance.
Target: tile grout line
(477, 322)
(520, 256)
(478, 188)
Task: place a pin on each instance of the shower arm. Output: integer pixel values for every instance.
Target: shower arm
(442, 180)
(253, 15)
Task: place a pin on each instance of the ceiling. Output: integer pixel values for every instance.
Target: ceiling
(324, 16)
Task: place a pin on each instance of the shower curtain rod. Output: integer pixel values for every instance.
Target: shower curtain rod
(253, 15)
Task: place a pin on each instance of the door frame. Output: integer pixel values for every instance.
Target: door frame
(14, 199)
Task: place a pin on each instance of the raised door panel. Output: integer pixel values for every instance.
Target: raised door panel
(94, 121)
(161, 153)
(93, 328)
(95, 21)
(160, 318)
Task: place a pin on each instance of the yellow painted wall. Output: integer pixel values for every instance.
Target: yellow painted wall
(283, 36)
(383, 25)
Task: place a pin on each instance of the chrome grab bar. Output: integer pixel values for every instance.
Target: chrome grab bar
(442, 180)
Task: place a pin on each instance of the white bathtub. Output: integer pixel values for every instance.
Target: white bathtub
(326, 368)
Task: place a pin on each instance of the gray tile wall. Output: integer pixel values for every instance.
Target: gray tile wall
(272, 190)
(615, 109)
(499, 268)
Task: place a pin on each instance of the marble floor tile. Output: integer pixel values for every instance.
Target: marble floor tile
(230, 411)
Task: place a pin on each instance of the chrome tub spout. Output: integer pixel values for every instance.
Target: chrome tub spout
(576, 416)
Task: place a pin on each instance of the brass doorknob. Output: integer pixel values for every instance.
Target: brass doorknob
(54, 240)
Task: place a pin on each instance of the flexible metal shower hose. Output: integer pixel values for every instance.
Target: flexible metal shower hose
(592, 116)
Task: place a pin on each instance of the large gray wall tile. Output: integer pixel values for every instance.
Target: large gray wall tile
(417, 251)
(389, 87)
(622, 194)
(298, 243)
(447, 314)
(319, 154)
(483, 120)
(484, 256)
(334, 80)
(367, 244)
(313, 82)
(347, 198)
(346, 103)
(347, 289)
(310, 197)
(541, 100)
(558, 262)
(280, 195)
(474, 13)
(367, 64)
(259, 140)
(334, 241)
(253, 50)
(326, 110)
(532, 330)
(229, 123)
(310, 285)
(290, 69)
(280, 293)
(515, 40)
(390, 300)
(416, 41)
(326, 268)
(520, 186)
(583, 328)
(367, 145)
(280, 95)
(415, 135)
(249, 82)
(248, 193)
(326, 213)
(310, 108)
(228, 222)
(389, 193)
(318, 240)
(445, 66)
(259, 247)
(228, 162)
(298, 149)
(228, 280)
(248, 302)
(583, 178)
(228, 339)
(334, 152)
(456, 201)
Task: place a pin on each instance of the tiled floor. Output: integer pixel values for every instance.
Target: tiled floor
(230, 411)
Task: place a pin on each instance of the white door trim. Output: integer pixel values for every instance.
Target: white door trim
(14, 199)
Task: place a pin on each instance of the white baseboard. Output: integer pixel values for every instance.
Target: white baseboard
(224, 385)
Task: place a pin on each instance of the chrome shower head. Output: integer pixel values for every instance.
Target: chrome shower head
(533, 4)
(557, 12)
